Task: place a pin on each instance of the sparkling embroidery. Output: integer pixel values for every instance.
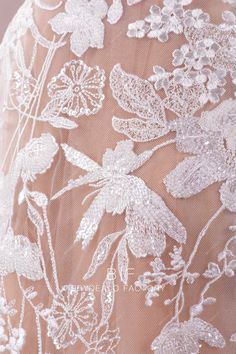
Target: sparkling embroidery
(147, 217)
(212, 140)
(184, 338)
(138, 97)
(204, 66)
(162, 21)
(18, 254)
(71, 315)
(84, 20)
(13, 341)
(75, 91)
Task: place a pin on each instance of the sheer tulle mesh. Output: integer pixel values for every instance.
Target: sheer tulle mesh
(50, 310)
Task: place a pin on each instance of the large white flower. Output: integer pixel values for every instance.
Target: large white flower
(82, 18)
(147, 217)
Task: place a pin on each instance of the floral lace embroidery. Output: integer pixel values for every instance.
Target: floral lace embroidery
(203, 66)
(147, 217)
(138, 97)
(24, 258)
(70, 316)
(75, 91)
(212, 139)
(184, 338)
(84, 20)
(12, 342)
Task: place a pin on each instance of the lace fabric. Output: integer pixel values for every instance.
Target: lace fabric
(118, 177)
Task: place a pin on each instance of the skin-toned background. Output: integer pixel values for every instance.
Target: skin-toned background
(8, 9)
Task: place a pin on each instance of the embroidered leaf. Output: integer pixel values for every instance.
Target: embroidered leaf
(193, 174)
(213, 270)
(61, 122)
(79, 159)
(35, 218)
(91, 219)
(167, 220)
(101, 253)
(207, 333)
(115, 12)
(209, 301)
(123, 261)
(21, 197)
(104, 339)
(37, 156)
(137, 96)
(52, 114)
(107, 297)
(138, 129)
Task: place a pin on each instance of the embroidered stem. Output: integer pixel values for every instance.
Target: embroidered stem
(159, 146)
(51, 250)
(195, 249)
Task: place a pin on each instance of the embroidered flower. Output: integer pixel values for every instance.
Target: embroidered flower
(161, 21)
(198, 57)
(147, 217)
(77, 90)
(196, 18)
(212, 141)
(215, 82)
(137, 29)
(103, 340)
(184, 338)
(160, 78)
(70, 316)
(165, 20)
(82, 18)
(37, 156)
(18, 254)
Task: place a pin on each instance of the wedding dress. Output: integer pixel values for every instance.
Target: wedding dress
(118, 177)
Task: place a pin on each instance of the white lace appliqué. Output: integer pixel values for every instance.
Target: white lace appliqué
(147, 217)
(76, 91)
(84, 20)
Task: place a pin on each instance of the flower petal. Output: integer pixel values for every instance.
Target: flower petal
(79, 41)
(92, 217)
(62, 23)
(79, 159)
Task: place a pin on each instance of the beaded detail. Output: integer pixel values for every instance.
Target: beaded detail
(202, 124)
